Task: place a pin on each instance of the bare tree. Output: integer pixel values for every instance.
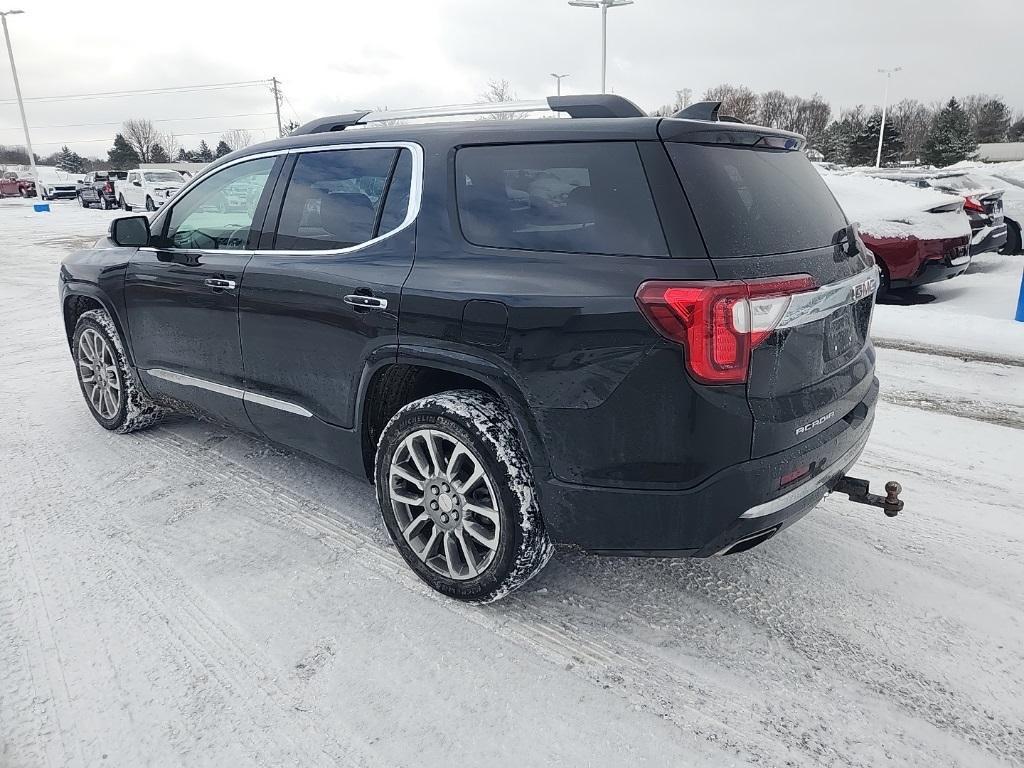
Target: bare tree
(737, 101)
(142, 135)
(667, 110)
(500, 92)
(912, 119)
(170, 143)
(776, 110)
(811, 117)
(237, 138)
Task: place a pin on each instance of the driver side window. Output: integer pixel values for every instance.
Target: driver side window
(218, 212)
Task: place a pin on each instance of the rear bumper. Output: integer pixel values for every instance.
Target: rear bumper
(988, 239)
(934, 272)
(743, 503)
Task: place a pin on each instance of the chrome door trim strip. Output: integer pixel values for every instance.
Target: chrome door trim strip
(415, 197)
(223, 389)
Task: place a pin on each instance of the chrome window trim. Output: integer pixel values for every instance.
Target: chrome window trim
(818, 304)
(223, 389)
(415, 197)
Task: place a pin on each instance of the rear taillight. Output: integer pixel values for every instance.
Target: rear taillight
(719, 323)
(973, 204)
(109, 187)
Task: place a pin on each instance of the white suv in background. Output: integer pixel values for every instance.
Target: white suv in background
(148, 189)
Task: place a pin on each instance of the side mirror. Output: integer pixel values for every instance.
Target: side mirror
(130, 231)
(137, 183)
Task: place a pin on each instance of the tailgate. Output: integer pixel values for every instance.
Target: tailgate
(765, 212)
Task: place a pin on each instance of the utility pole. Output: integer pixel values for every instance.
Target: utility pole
(277, 104)
(885, 109)
(604, 5)
(17, 91)
(558, 79)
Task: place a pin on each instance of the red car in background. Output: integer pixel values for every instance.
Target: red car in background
(12, 186)
(918, 236)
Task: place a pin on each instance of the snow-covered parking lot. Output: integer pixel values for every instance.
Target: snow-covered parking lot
(187, 596)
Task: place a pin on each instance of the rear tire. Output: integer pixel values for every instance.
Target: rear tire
(469, 525)
(107, 381)
(81, 202)
(1013, 239)
(122, 204)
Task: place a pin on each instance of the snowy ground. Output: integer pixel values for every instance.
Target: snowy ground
(187, 596)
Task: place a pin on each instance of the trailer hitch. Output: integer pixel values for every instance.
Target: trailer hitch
(859, 492)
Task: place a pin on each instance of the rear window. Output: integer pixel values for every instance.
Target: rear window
(570, 198)
(751, 202)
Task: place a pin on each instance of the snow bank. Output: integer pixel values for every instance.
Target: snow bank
(886, 208)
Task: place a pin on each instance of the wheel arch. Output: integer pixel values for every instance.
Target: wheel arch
(391, 384)
(78, 301)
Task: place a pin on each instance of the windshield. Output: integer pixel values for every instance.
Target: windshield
(960, 183)
(173, 176)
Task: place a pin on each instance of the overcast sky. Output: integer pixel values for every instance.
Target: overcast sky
(341, 55)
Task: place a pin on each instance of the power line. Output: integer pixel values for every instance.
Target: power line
(154, 120)
(143, 91)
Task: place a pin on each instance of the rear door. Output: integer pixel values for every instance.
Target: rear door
(765, 212)
(320, 298)
(182, 294)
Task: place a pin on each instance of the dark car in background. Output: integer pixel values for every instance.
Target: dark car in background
(638, 335)
(97, 188)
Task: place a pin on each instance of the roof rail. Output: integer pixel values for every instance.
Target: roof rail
(705, 110)
(600, 105)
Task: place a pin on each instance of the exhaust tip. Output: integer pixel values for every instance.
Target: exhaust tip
(749, 542)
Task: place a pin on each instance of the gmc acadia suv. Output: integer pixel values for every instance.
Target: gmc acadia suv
(637, 335)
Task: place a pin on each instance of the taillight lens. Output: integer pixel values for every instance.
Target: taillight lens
(973, 204)
(109, 187)
(719, 324)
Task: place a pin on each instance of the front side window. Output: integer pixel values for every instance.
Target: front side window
(336, 199)
(218, 212)
(570, 198)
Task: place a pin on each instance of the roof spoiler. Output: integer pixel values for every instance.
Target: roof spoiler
(593, 106)
(705, 110)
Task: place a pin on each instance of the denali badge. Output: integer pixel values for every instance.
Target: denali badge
(816, 423)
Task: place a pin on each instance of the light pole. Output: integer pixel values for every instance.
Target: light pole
(558, 79)
(17, 91)
(604, 5)
(885, 109)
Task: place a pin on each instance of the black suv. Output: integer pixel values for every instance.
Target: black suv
(637, 335)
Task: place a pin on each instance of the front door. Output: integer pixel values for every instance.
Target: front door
(181, 294)
(321, 300)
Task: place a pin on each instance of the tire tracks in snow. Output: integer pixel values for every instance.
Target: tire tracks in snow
(545, 627)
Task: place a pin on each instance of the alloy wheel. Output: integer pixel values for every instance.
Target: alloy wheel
(98, 371)
(445, 504)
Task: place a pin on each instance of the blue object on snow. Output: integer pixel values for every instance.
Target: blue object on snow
(1020, 301)
(41, 207)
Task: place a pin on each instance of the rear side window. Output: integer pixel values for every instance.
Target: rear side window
(756, 202)
(572, 198)
(334, 198)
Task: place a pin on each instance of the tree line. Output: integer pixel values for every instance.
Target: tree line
(136, 143)
(938, 134)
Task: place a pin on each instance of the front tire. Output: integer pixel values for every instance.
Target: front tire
(456, 491)
(108, 383)
(150, 205)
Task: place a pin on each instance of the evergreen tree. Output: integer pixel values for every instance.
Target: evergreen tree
(121, 156)
(835, 143)
(222, 149)
(158, 154)
(950, 139)
(1017, 131)
(864, 147)
(204, 154)
(993, 122)
(70, 161)
(184, 156)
